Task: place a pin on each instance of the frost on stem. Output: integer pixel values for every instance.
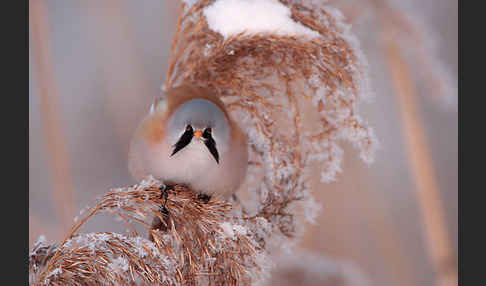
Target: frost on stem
(272, 82)
(201, 244)
(269, 75)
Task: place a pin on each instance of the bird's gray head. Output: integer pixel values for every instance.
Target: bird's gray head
(202, 119)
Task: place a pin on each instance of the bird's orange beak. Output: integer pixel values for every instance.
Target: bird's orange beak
(198, 134)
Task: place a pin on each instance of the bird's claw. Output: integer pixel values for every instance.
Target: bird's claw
(164, 194)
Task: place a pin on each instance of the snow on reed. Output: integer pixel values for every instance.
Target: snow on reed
(231, 17)
(272, 82)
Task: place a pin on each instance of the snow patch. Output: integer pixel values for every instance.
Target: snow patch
(228, 230)
(230, 17)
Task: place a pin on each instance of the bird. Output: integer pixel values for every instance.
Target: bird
(189, 138)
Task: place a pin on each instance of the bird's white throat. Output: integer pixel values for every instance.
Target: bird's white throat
(193, 162)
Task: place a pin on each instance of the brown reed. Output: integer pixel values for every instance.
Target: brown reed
(199, 242)
(48, 92)
(427, 188)
(264, 80)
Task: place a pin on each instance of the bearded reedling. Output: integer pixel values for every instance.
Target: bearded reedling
(188, 138)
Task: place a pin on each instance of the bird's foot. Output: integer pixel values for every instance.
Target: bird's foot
(162, 223)
(203, 197)
(165, 194)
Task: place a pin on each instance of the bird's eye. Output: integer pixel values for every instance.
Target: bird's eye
(207, 133)
(188, 128)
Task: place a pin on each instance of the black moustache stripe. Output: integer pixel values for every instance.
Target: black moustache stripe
(211, 144)
(183, 141)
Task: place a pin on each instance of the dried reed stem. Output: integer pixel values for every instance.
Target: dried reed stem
(427, 188)
(197, 242)
(55, 140)
(172, 59)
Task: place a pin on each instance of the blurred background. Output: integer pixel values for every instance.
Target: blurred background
(95, 66)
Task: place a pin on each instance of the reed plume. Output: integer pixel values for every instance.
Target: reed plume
(271, 83)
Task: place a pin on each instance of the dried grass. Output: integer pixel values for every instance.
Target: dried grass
(267, 82)
(191, 243)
